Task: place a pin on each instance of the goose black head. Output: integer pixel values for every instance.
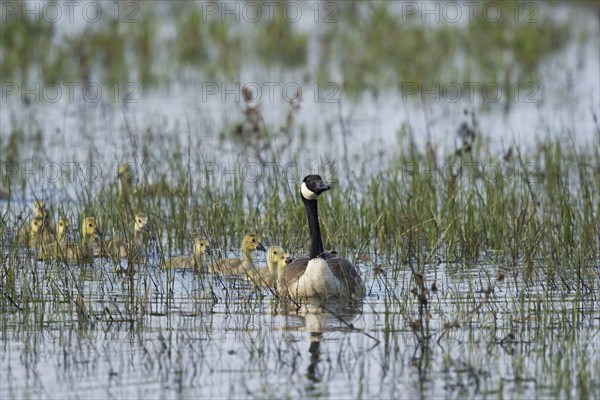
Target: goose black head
(313, 186)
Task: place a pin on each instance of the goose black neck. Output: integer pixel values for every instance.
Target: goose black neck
(312, 214)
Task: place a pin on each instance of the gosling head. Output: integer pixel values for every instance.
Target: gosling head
(276, 255)
(36, 225)
(125, 172)
(62, 227)
(39, 209)
(251, 243)
(312, 187)
(89, 227)
(201, 246)
(141, 222)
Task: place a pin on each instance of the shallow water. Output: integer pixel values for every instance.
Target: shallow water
(178, 334)
(95, 332)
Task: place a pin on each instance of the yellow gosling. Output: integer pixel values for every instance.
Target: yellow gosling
(195, 262)
(39, 210)
(59, 247)
(126, 176)
(231, 266)
(267, 276)
(91, 242)
(88, 230)
(61, 229)
(36, 226)
(132, 249)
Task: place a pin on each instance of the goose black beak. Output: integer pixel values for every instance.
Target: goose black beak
(261, 247)
(320, 187)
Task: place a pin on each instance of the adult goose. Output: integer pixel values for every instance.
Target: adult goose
(322, 274)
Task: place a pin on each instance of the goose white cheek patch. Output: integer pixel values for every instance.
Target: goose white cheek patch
(307, 193)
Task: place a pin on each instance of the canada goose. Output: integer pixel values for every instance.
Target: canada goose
(230, 266)
(88, 230)
(131, 249)
(126, 175)
(321, 274)
(39, 210)
(267, 276)
(91, 242)
(87, 249)
(195, 261)
(38, 236)
(60, 247)
(61, 231)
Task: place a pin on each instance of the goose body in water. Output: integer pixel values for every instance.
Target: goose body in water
(27, 230)
(133, 247)
(267, 276)
(195, 261)
(322, 274)
(57, 247)
(236, 266)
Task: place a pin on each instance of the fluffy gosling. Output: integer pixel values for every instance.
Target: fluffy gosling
(131, 249)
(195, 262)
(232, 266)
(267, 276)
(40, 211)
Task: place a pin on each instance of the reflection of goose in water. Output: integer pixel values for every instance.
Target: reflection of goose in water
(318, 318)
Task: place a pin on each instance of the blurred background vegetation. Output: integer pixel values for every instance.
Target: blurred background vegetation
(366, 45)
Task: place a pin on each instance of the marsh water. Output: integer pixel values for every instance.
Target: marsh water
(464, 329)
(214, 337)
